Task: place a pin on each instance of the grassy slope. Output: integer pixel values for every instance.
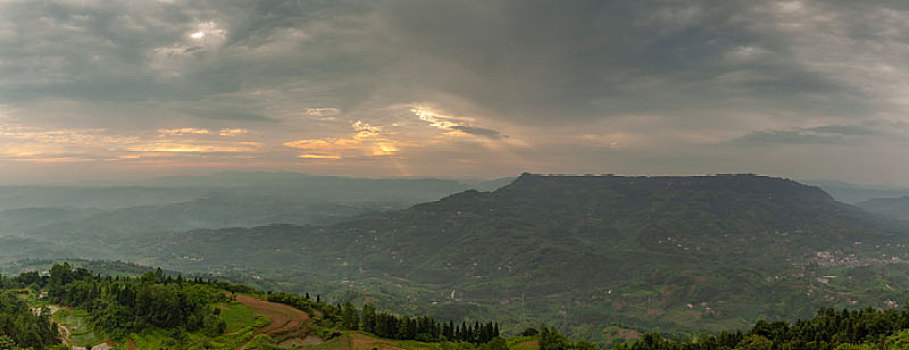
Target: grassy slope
(239, 316)
(242, 323)
(82, 332)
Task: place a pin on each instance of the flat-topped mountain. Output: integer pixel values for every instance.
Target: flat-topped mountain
(707, 218)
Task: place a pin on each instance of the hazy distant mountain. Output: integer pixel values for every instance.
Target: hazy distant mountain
(175, 189)
(108, 197)
(681, 253)
(312, 187)
(18, 221)
(852, 193)
(897, 208)
(180, 203)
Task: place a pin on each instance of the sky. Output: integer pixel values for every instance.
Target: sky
(124, 89)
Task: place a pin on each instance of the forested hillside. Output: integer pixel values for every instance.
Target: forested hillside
(20, 326)
(76, 307)
(599, 257)
(682, 254)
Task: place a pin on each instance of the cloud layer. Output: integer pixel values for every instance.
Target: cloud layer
(476, 88)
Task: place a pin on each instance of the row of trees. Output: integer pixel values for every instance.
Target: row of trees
(830, 329)
(119, 306)
(391, 326)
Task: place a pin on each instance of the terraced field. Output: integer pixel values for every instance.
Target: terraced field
(287, 324)
(77, 331)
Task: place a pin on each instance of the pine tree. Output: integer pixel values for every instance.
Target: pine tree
(368, 318)
(349, 317)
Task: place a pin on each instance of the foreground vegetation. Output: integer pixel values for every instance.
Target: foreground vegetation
(20, 326)
(676, 255)
(830, 329)
(390, 326)
(158, 311)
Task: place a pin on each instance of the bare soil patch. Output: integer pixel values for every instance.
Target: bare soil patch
(362, 341)
(284, 318)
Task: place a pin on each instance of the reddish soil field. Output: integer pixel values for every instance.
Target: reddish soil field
(284, 318)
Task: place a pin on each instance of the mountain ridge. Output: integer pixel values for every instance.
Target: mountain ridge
(602, 249)
(684, 254)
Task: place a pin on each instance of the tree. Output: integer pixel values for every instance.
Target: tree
(550, 339)
(368, 318)
(755, 342)
(20, 327)
(7, 343)
(584, 345)
(530, 332)
(350, 318)
(497, 343)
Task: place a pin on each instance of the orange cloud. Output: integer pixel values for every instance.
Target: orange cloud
(435, 119)
(30, 144)
(23, 143)
(455, 126)
(368, 141)
(52, 160)
(197, 148)
(183, 131)
(320, 156)
(233, 132)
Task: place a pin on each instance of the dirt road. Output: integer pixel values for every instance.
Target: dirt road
(67, 333)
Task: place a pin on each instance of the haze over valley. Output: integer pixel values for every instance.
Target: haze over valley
(454, 175)
(586, 253)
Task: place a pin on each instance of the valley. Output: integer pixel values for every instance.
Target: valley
(454, 175)
(588, 254)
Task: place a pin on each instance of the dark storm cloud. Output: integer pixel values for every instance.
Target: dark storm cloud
(226, 114)
(824, 134)
(849, 130)
(590, 59)
(524, 60)
(643, 77)
(107, 50)
(478, 131)
(790, 137)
